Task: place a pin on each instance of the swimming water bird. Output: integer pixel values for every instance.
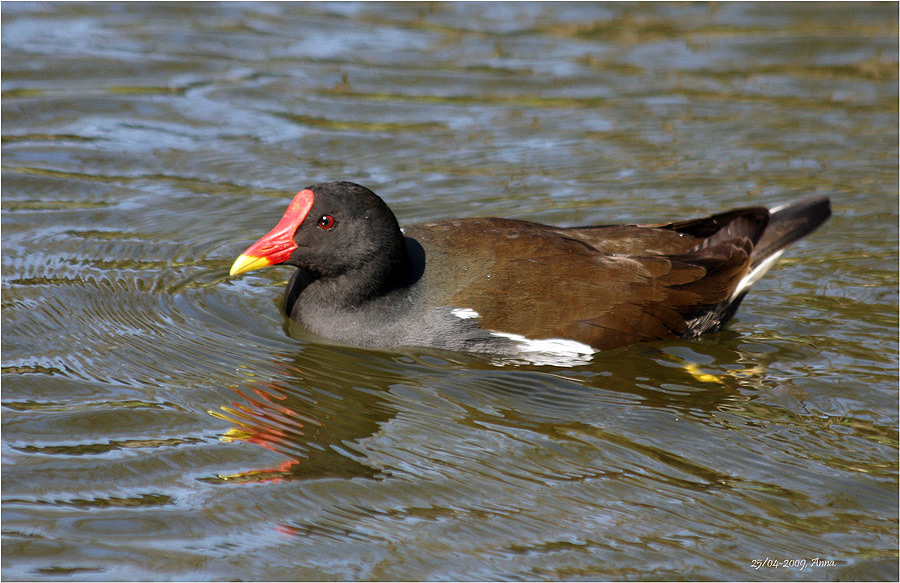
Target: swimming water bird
(511, 288)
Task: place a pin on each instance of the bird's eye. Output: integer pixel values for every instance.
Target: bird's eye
(326, 222)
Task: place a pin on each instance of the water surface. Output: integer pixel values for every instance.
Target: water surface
(159, 423)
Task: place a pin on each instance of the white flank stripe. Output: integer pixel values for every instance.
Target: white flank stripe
(551, 351)
(464, 313)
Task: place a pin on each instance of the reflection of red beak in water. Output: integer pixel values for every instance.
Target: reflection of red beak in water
(317, 429)
(263, 421)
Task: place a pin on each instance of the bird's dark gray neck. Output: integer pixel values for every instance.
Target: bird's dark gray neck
(350, 290)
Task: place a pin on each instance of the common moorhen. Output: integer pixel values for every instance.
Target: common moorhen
(513, 288)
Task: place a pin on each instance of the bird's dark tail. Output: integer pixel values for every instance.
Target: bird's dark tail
(787, 224)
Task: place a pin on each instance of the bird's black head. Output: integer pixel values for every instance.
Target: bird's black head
(331, 229)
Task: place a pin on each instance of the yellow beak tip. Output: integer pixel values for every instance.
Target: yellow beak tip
(248, 263)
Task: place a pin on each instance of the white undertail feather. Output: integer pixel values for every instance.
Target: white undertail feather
(755, 274)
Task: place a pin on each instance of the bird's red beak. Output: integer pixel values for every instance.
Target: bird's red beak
(278, 244)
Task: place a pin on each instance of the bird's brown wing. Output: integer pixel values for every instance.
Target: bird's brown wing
(675, 237)
(543, 282)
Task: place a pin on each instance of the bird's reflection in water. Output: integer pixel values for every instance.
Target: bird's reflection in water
(316, 427)
(262, 420)
(321, 408)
